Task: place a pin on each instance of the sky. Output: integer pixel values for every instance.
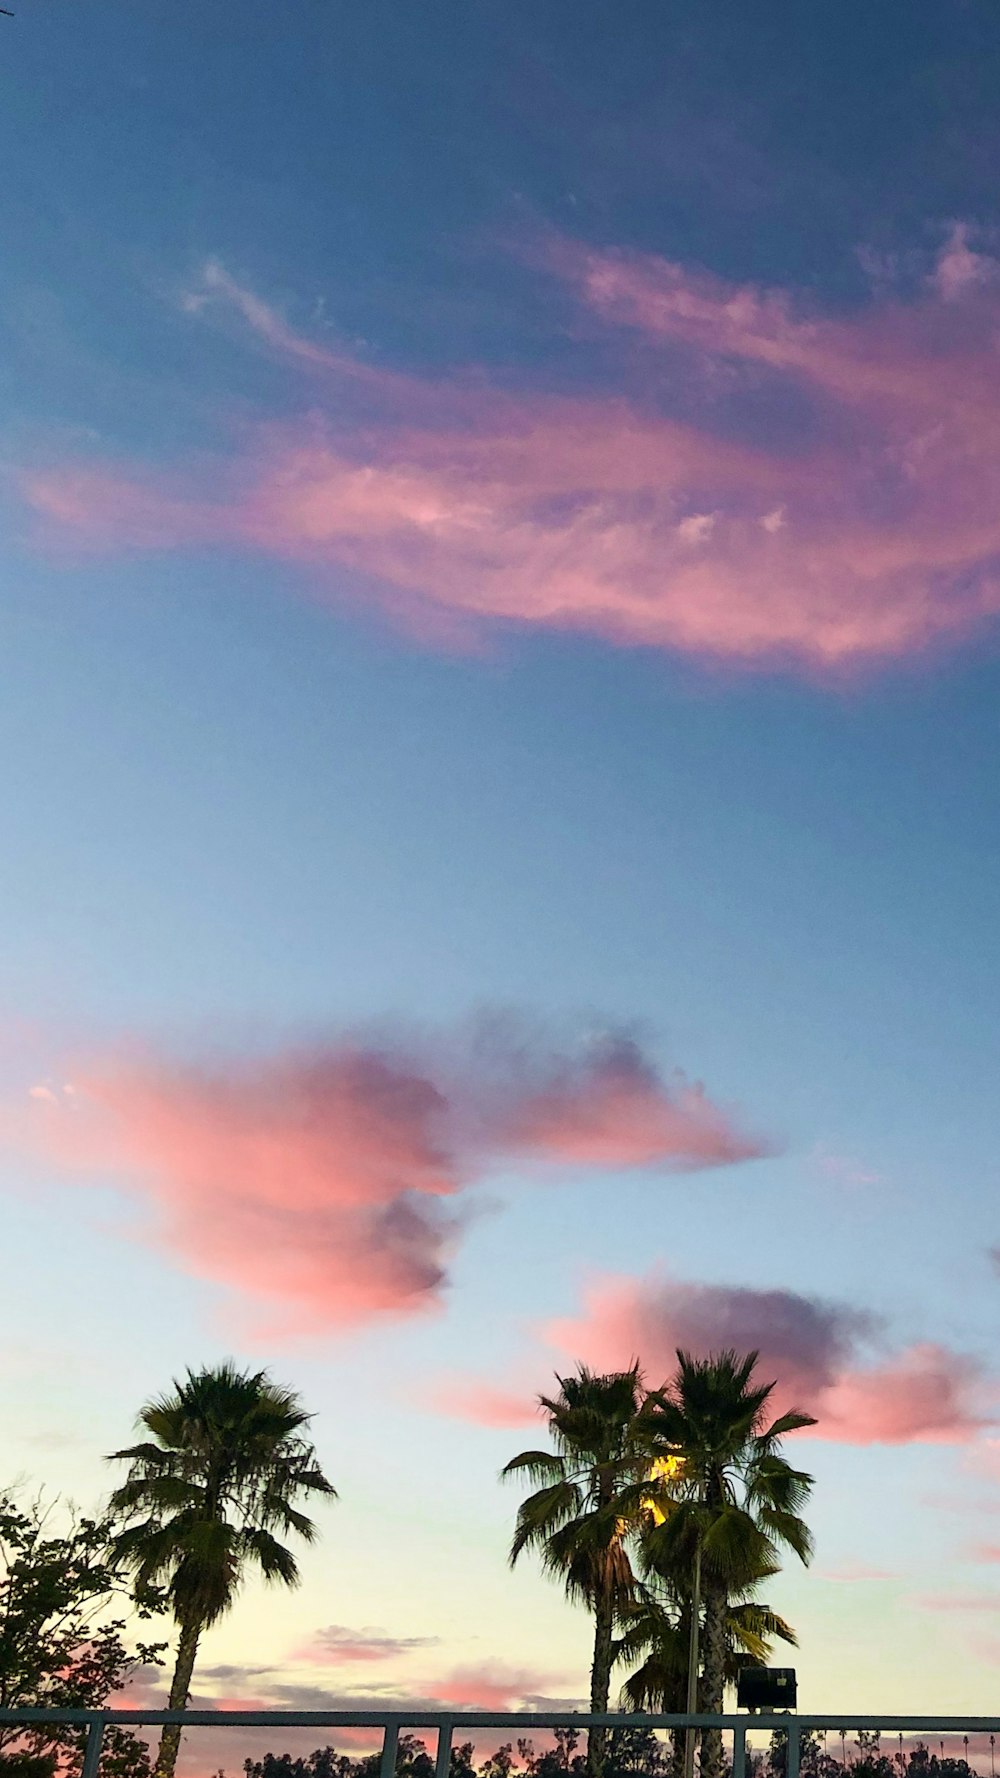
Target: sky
(500, 581)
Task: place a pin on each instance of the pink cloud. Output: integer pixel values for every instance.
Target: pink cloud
(491, 1685)
(959, 268)
(316, 1181)
(809, 1347)
(850, 1573)
(983, 1552)
(804, 1342)
(926, 1393)
(477, 1401)
(867, 536)
(866, 361)
(612, 1112)
(312, 1182)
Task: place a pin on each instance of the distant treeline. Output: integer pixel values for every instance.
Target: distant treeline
(631, 1753)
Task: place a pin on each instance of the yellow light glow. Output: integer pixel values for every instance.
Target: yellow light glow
(663, 1469)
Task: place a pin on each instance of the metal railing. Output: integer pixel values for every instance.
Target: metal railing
(390, 1723)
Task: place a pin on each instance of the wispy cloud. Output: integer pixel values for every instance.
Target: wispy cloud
(960, 268)
(864, 530)
(481, 1402)
(956, 1602)
(845, 1169)
(337, 1645)
(855, 1573)
(982, 1552)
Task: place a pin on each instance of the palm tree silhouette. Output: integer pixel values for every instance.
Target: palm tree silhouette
(594, 1492)
(204, 1497)
(738, 1503)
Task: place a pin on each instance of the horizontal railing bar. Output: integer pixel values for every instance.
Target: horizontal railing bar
(499, 1719)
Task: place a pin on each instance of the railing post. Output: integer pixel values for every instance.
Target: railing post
(740, 1751)
(442, 1765)
(389, 1747)
(792, 1756)
(92, 1753)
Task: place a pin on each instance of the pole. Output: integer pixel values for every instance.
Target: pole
(692, 1684)
(442, 1765)
(387, 1766)
(92, 1756)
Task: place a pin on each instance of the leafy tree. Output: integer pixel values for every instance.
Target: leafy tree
(868, 1761)
(590, 1499)
(635, 1751)
(556, 1760)
(323, 1763)
(219, 1476)
(413, 1759)
(814, 1761)
(500, 1764)
(922, 1763)
(59, 1649)
(738, 1502)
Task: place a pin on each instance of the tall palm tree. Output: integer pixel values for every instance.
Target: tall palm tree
(738, 1503)
(219, 1476)
(593, 1491)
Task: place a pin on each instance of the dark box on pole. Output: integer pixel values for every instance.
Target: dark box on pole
(766, 1688)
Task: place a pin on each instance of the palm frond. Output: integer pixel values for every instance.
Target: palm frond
(542, 1514)
(271, 1557)
(538, 1466)
(790, 1422)
(154, 1455)
(750, 1618)
(157, 1494)
(787, 1528)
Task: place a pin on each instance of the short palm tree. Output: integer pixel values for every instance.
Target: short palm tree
(657, 1628)
(656, 1631)
(737, 1503)
(592, 1496)
(226, 1461)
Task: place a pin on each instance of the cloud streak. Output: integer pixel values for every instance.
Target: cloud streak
(337, 1645)
(328, 1184)
(832, 502)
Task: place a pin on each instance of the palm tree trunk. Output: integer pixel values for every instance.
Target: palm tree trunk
(180, 1685)
(713, 1667)
(600, 1677)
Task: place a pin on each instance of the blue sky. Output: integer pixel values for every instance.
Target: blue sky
(498, 514)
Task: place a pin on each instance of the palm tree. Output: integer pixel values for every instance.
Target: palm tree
(205, 1495)
(592, 1496)
(737, 1505)
(656, 1626)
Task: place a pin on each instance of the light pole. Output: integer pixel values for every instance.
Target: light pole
(692, 1684)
